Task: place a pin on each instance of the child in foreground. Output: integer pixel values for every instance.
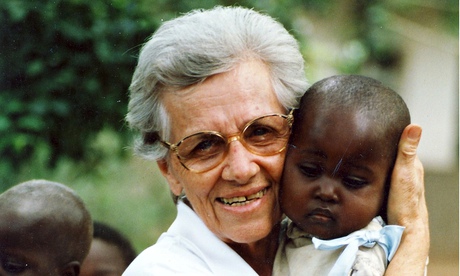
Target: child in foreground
(45, 229)
(336, 179)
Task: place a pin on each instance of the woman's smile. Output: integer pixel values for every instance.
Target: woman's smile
(242, 200)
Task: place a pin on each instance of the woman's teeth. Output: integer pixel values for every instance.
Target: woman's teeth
(242, 200)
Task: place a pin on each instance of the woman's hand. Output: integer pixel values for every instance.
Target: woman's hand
(407, 207)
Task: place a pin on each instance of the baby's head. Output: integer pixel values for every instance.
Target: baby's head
(342, 151)
(45, 229)
(110, 252)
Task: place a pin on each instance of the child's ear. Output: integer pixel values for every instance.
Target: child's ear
(70, 269)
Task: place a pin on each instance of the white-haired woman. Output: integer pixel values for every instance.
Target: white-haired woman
(211, 97)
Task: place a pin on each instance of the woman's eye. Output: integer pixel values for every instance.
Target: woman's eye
(355, 182)
(259, 133)
(261, 130)
(206, 148)
(203, 146)
(310, 170)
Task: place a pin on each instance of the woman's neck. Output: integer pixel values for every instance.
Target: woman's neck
(260, 255)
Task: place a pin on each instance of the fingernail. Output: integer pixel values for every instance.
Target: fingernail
(414, 133)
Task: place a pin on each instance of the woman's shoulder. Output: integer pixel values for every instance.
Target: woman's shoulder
(170, 255)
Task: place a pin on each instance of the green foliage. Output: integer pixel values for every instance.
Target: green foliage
(65, 68)
(127, 193)
(64, 71)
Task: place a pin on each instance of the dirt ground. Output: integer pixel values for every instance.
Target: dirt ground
(443, 267)
(442, 194)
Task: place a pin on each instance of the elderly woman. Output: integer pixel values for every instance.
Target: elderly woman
(212, 96)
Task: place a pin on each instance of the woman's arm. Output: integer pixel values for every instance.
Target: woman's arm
(407, 207)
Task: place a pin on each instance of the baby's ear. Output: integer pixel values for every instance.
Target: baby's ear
(70, 269)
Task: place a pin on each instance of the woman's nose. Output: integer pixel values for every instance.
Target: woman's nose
(239, 164)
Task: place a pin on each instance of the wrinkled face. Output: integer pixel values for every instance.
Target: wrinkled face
(334, 175)
(18, 254)
(103, 259)
(225, 103)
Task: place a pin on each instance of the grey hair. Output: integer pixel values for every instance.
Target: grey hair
(188, 49)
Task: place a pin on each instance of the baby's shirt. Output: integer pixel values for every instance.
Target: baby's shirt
(297, 254)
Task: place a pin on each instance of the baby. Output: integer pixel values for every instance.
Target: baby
(336, 179)
(45, 229)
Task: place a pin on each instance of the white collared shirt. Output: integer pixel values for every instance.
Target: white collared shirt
(188, 248)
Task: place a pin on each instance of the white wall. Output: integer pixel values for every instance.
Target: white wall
(429, 85)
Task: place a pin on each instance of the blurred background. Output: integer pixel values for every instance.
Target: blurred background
(65, 68)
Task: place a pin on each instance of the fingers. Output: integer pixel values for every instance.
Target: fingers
(406, 201)
(410, 139)
(408, 144)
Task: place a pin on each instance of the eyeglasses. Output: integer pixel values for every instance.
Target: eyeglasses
(266, 135)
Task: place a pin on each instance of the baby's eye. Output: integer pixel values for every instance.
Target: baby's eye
(311, 170)
(13, 266)
(354, 182)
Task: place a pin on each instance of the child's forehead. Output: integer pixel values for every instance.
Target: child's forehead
(339, 130)
(29, 224)
(33, 219)
(356, 114)
(319, 117)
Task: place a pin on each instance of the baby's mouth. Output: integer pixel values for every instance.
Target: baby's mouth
(321, 214)
(242, 200)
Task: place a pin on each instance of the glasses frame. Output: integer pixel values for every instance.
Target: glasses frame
(229, 139)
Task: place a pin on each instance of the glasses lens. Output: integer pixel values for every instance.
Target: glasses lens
(201, 151)
(267, 135)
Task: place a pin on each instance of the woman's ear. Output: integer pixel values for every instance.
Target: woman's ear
(70, 269)
(174, 184)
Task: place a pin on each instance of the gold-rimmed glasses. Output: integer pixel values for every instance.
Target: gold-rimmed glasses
(266, 135)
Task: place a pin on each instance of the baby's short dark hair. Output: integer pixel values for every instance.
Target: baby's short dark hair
(366, 95)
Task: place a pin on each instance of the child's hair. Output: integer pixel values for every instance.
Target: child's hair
(368, 96)
(56, 215)
(111, 236)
